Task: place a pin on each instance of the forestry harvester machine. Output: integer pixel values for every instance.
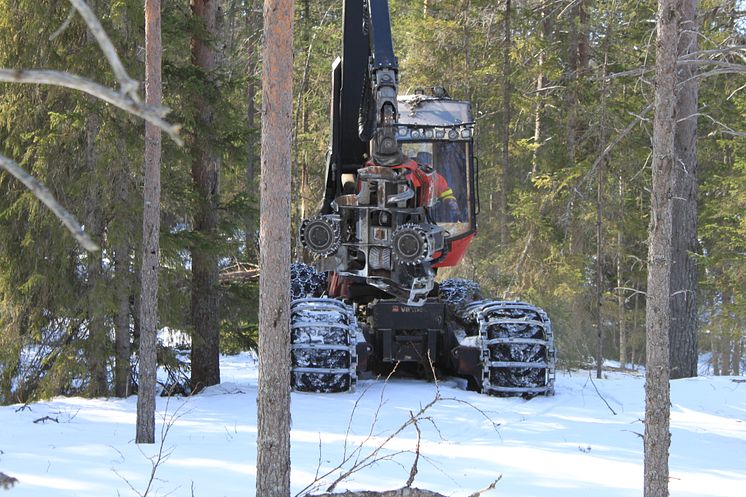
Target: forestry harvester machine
(400, 202)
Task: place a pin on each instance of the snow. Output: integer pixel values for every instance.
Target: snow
(567, 445)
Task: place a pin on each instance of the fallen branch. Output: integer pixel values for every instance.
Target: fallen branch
(358, 460)
(239, 273)
(402, 492)
(45, 419)
(599, 394)
(7, 482)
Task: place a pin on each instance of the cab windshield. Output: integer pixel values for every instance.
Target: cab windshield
(450, 208)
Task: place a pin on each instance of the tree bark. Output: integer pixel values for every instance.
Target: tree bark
(658, 315)
(251, 58)
(620, 279)
(150, 231)
(273, 396)
(684, 330)
(505, 129)
(97, 343)
(540, 84)
(600, 177)
(737, 353)
(123, 286)
(205, 177)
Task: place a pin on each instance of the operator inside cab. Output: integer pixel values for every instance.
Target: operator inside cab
(445, 164)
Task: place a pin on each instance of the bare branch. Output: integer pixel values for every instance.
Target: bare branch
(128, 85)
(42, 193)
(413, 470)
(599, 393)
(741, 50)
(489, 487)
(7, 482)
(64, 25)
(125, 102)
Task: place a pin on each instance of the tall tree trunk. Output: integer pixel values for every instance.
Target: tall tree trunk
(505, 129)
(540, 84)
(714, 355)
(205, 177)
(122, 283)
(97, 344)
(571, 78)
(151, 227)
(273, 396)
(122, 348)
(683, 345)
(737, 354)
(620, 279)
(252, 56)
(658, 315)
(600, 177)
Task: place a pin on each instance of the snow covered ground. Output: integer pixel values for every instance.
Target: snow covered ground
(570, 445)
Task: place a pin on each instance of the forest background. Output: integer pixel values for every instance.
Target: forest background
(561, 91)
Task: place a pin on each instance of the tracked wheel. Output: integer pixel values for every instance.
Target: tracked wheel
(306, 281)
(517, 348)
(458, 293)
(323, 343)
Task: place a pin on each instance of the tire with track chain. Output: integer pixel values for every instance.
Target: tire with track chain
(517, 344)
(305, 281)
(323, 343)
(458, 293)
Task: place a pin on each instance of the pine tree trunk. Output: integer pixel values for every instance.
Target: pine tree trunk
(571, 80)
(251, 59)
(505, 129)
(714, 355)
(273, 396)
(97, 343)
(683, 346)
(620, 280)
(123, 289)
(658, 315)
(205, 178)
(540, 84)
(151, 226)
(737, 354)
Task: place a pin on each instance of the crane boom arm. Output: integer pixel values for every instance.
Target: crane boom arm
(364, 91)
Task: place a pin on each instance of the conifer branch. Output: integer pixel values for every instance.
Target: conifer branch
(128, 85)
(154, 115)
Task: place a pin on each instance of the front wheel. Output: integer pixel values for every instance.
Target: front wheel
(517, 348)
(323, 344)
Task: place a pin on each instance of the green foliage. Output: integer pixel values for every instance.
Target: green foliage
(52, 296)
